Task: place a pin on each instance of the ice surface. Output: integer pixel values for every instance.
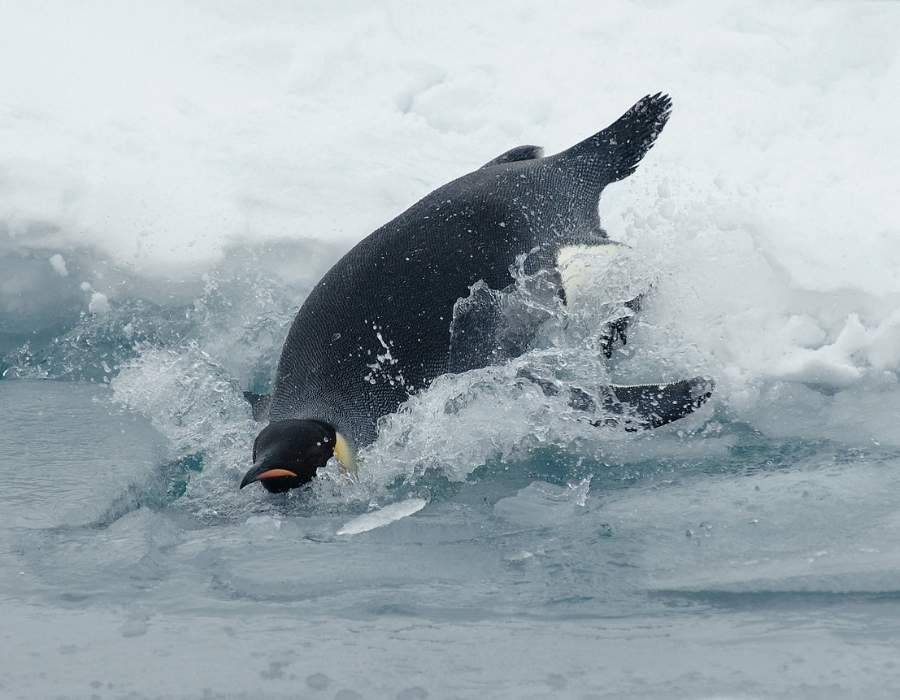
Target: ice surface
(173, 180)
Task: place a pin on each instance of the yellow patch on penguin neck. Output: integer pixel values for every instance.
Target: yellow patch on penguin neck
(343, 453)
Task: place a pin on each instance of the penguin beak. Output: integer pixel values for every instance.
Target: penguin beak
(262, 472)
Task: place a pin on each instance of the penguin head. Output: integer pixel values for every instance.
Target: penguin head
(287, 453)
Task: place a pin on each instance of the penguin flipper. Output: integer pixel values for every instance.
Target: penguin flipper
(259, 404)
(614, 153)
(514, 154)
(616, 331)
(637, 406)
(647, 406)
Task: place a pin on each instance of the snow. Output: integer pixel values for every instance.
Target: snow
(160, 134)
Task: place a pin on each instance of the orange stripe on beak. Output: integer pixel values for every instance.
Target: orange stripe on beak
(273, 473)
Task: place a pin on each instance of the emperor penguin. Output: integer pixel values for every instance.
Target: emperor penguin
(385, 320)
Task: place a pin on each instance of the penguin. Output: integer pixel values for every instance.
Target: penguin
(404, 305)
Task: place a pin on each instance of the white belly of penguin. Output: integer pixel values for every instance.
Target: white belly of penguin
(593, 272)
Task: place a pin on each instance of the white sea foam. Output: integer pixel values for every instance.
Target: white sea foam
(58, 263)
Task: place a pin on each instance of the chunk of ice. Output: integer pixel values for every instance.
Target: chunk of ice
(383, 516)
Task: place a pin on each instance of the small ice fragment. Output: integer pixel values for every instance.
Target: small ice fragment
(382, 517)
(134, 627)
(99, 304)
(85, 286)
(58, 263)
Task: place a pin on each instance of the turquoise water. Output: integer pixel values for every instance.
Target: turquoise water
(768, 569)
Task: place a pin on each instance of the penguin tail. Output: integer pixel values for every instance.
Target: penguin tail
(614, 153)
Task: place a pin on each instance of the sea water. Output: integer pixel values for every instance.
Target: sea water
(173, 181)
